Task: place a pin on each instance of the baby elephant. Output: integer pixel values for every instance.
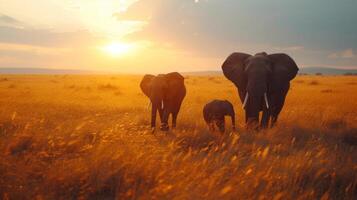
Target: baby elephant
(214, 113)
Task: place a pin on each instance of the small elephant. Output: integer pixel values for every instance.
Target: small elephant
(263, 82)
(214, 113)
(166, 93)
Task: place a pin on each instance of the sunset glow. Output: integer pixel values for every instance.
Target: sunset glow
(111, 35)
(178, 99)
(117, 49)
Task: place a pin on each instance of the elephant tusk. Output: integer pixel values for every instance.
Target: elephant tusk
(245, 100)
(162, 105)
(266, 100)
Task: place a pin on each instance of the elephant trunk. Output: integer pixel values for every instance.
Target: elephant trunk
(253, 105)
(156, 106)
(257, 87)
(247, 96)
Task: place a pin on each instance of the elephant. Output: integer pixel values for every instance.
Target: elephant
(263, 82)
(214, 113)
(166, 93)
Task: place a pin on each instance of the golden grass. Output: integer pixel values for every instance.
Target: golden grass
(88, 137)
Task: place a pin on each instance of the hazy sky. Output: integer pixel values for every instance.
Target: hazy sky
(173, 35)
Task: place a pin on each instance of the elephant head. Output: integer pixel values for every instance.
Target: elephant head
(257, 76)
(154, 87)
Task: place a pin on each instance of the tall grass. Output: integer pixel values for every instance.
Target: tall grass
(60, 143)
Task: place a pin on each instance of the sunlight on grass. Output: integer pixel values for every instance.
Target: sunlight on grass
(88, 137)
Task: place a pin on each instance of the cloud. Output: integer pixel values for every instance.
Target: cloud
(216, 28)
(187, 25)
(32, 47)
(45, 37)
(198, 33)
(345, 54)
(307, 30)
(139, 11)
(14, 31)
(5, 47)
(348, 53)
(6, 20)
(290, 48)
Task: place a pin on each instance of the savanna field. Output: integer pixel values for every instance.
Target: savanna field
(88, 137)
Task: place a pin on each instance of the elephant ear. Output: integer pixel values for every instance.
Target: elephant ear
(145, 84)
(233, 69)
(284, 68)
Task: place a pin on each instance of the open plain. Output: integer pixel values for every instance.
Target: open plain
(88, 137)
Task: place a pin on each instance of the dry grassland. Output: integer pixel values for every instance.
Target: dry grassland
(88, 137)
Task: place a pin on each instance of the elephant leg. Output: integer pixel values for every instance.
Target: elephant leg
(153, 116)
(265, 119)
(279, 100)
(273, 121)
(221, 124)
(275, 115)
(164, 122)
(161, 114)
(174, 117)
(211, 126)
(176, 111)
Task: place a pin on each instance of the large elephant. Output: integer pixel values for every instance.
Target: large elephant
(166, 93)
(263, 82)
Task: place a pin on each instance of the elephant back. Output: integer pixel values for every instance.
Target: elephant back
(175, 76)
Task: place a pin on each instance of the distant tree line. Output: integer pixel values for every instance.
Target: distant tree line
(321, 74)
(350, 74)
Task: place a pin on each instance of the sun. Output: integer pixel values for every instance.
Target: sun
(117, 48)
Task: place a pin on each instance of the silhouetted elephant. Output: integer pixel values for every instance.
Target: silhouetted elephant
(214, 112)
(263, 82)
(166, 93)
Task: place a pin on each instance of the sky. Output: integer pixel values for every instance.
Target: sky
(141, 36)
